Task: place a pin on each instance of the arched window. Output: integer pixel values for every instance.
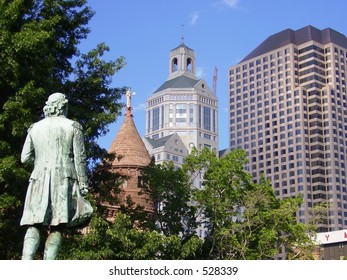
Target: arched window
(189, 64)
(174, 65)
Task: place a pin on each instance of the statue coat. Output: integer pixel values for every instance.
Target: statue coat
(56, 147)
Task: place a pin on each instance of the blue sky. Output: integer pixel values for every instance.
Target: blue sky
(221, 32)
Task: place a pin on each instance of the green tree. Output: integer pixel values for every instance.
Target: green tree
(39, 55)
(267, 227)
(120, 240)
(245, 220)
(170, 190)
(168, 233)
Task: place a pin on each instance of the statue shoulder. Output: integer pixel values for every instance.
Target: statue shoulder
(30, 127)
(70, 122)
(34, 126)
(77, 125)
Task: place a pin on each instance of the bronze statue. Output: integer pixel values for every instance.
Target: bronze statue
(58, 182)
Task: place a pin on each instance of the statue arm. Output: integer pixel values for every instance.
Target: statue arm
(80, 158)
(28, 154)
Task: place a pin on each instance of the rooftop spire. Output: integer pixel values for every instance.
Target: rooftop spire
(128, 142)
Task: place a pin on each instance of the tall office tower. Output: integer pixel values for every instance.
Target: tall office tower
(183, 105)
(288, 109)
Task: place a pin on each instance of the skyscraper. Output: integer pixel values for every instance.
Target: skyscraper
(288, 109)
(183, 104)
(185, 107)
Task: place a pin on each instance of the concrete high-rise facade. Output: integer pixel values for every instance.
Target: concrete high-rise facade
(288, 109)
(183, 104)
(185, 107)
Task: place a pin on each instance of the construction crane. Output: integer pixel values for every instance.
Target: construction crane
(214, 89)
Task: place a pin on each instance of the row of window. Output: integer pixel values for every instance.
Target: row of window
(208, 101)
(336, 123)
(315, 50)
(182, 115)
(170, 157)
(339, 146)
(316, 104)
(270, 57)
(155, 101)
(317, 120)
(275, 82)
(265, 74)
(279, 169)
(181, 97)
(260, 73)
(273, 77)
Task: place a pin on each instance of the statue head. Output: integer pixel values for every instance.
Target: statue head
(56, 105)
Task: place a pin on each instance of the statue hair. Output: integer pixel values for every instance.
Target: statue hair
(56, 105)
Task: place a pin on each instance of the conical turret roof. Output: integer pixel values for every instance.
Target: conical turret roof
(129, 145)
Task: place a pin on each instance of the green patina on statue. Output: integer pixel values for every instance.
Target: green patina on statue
(58, 182)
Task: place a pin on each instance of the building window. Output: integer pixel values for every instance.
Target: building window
(191, 114)
(181, 114)
(155, 120)
(174, 65)
(162, 116)
(207, 118)
(149, 121)
(189, 65)
(199, 116)
(214, 120)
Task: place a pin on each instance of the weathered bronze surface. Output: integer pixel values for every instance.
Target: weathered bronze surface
(55, 145)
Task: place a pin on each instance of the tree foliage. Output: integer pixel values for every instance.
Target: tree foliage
(120, 240)
(39, 55)
(245, 220)
(170, 190)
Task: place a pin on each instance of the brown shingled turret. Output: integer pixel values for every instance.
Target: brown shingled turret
(133, 158)
(129, 145)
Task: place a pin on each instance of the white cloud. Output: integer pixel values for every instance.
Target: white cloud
(194, 18)
(140, 107)
(231, 3)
